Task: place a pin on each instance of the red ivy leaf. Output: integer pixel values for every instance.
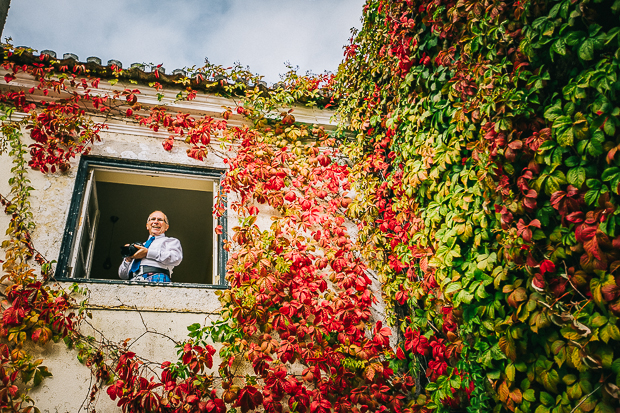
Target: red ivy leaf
(547, 266)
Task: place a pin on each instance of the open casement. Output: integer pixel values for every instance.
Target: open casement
(219, 264)
(84, 243)
(216, 273)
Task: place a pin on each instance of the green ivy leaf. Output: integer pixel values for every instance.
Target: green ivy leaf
(554, 181)
(606, 355)
(550, 380)
(453, 286)
(510, 372)
(569, 379)
(612, 175)
(555, 111)
(603, 407)
(610, 127)
(559, 350)
(493, 374)
(592, 196)
(574, 38)
(529, 395)
(559, 47)
(41, 373)
(566, 138)
(586, 50)
(574, 391)
(455, 382)
(546, 399)
(601, 104)
(603, 334)
(576, 176)
(554, 11)
(463, 297)
(580, 126)
(597, 295)
(614, 331)
(572, 161)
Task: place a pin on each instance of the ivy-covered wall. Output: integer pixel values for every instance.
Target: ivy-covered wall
(299, 291)
(477, 154)
(485, 157)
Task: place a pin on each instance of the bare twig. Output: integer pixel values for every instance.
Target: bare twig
(151, 331)
(584, 399)
(571, 283)
(90, 386)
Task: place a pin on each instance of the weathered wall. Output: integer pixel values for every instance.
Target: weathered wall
(141, 313)
(69, 388)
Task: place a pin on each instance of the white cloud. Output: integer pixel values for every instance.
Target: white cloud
(260, 33)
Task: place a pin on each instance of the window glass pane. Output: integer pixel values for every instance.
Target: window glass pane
(93, 211)
(82, 230)
(84, 247)
(78, 270)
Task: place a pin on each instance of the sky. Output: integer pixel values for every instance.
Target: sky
(261, 34)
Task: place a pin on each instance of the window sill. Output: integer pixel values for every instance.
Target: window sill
(143, 283)
(142, 296)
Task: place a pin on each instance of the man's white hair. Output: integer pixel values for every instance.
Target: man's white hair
(165, 216)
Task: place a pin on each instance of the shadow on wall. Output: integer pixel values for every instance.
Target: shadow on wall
(191, 221)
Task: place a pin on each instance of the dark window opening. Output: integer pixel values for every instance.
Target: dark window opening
(111, 202)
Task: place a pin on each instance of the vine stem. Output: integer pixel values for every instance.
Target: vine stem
(571, 283)
(584, 399)
(46, 261)
(583, 306)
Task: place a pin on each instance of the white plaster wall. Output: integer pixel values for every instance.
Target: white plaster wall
(139, 312)
(69, 388)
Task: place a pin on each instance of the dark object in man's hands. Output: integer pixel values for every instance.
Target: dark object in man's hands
(131, 249)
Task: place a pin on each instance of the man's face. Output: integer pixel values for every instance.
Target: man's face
(156, 224)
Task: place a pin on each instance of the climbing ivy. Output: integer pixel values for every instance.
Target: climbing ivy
(476, 152)
(300, 294)
(483, 149)
(31, 310)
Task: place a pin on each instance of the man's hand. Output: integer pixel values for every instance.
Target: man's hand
(141, 253)
(127, 259)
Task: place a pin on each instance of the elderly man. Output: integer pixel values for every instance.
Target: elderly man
(155, 260)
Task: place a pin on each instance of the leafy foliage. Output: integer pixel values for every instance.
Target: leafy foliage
(477, 154)
(31, 310)
(299, 295)
(485, 159)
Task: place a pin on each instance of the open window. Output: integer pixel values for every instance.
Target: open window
(81, 257)
(111, 202)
